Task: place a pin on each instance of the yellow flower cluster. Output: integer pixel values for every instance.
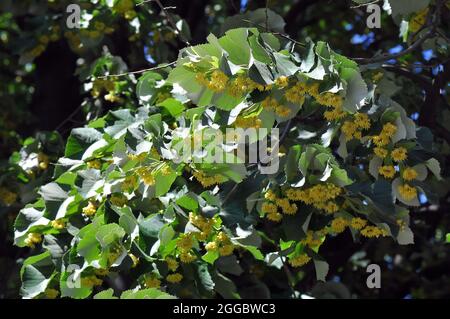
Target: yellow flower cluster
(271, 212)
(43, 42)
(270, 207)
(338, 225)
(146, 174)
(101, 85)
(373, 231)
(409, 174)
(172, 264)
(314, 239)
(407, 192)
(51, 293)
(354, 129)
(152, 282)
(380, 152)
(91, 281)
(320, 196)
(299, 260)
(33, 239)
(43, 160)
(96, 164)
(90, 209)
(174, 278)
(119, 200)
(248, 122)
(217, 81)
(129, 183)
(58, 224)
(386, 134)
(185, 242)
(399, 154)
(74, 41)
(270, 103)
(297, 93)
(126, 8)
(358, 223)
(205, 225)
(222, 243)
(282, 81)
(240, 85)
(387, 171)
(7, 197)
(208, 181)
(335, 114)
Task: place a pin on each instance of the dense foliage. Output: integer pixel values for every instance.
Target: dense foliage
(122, 210)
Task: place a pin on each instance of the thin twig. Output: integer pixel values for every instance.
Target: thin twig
(275, 33)
(267, 14)
(71, 115)
(139, 71)
(169, 18)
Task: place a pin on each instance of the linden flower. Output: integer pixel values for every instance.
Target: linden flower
(296, 94)
(118, 200)
(349, 129)
(282, 81)
(33, 239)
(174, 278)
(185, 242)
(211, 246)
(380, 140)
(7, 197)
(248, 122)
(208, 181)
(240, 86)
(373, 231)
(270, 195)
(51, 293)
(299, 260)
(387, 171)
(269, 208)
(313, 239)
(152, 282)
(96, 164)
(389, 129)
(187, 258)
(409, 174)
(407, 192)
(399, 154)
(358, 223)
(380, 152)
(362, 121)
(282, 111)
(274, 217)
(58, 224)
(172, 264)
(328, 99)
(90, 209)
(226, 250)
(91, 281)
(334, 115)
(338, 225)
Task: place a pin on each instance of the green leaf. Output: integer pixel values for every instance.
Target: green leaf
(79, 140)
(233, 42)
(174, 107)
(151, 293)
(36, 273)
(106, 294)
(109, 234)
